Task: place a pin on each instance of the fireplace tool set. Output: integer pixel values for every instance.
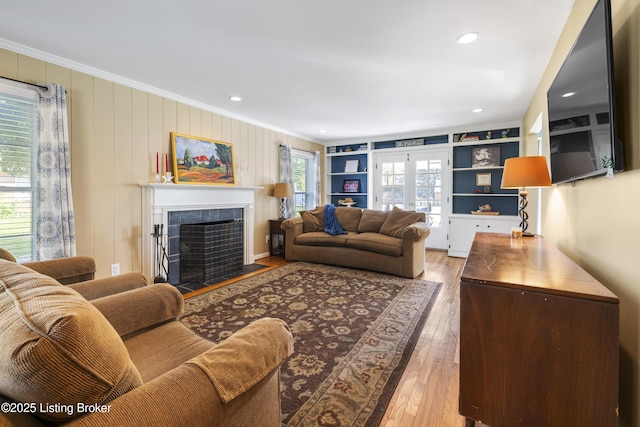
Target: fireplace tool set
(161, 267)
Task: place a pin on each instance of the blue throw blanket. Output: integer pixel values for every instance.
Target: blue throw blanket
(331, 224)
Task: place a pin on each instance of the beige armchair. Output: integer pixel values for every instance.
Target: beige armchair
(78, 273)
(125, 360)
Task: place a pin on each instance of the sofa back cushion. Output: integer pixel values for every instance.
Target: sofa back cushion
(371, 221)
(56, 347)
(349, 218)
(398, 220)
(313, 220)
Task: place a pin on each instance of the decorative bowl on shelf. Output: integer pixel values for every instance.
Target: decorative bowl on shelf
(347, 202)
(485, 209)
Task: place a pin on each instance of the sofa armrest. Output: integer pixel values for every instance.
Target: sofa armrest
(416, 232)
(66, 270)
(188, 395)
(292, 224)
(293, 227)
(98, 288)
(246, 357)
(139, 309)
(181, 397)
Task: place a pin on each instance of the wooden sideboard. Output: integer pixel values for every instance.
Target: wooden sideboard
(539, 338)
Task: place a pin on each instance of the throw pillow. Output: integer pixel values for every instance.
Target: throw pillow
(313, 220)
(349, 218)
(398, 220)
(371, 221)
(57, 348)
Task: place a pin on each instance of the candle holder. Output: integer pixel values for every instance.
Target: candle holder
(167, 178)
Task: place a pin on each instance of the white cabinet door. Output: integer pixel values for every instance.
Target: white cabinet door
(462, 230)
(499, 225)
(461, 234)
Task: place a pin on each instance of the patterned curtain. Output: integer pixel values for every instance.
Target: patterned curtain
(55, 235)
(318, 192)
(286, 175)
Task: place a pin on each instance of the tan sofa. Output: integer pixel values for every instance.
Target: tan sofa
(385, 241)
(125, 360)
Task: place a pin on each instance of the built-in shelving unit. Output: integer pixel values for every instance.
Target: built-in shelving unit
(478, 163)
(348, 175)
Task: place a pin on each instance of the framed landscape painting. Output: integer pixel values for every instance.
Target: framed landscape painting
(202, 161)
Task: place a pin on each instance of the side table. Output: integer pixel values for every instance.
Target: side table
(276, 238)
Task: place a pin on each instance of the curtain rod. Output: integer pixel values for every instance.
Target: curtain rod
(27, 83)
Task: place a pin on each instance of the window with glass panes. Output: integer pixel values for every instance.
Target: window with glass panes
(304, 180)
(18, 135)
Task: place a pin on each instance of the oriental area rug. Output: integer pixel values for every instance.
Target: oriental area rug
(354, 332)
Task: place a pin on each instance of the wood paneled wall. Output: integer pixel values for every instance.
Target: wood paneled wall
(115, 133)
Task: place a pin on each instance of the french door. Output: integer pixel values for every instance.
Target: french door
(415, 181)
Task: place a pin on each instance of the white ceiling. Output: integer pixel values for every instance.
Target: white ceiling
(359, 69)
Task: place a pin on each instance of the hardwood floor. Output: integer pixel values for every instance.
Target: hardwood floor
(427, 395)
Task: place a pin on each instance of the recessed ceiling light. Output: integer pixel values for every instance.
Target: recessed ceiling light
(235, 98)
(468, 38)
(477, 110)
(568, 94)
(322, 131)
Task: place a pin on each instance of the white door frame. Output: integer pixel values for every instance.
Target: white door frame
(438, 238)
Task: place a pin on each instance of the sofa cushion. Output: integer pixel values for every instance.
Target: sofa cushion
(349, 218)
(56, 346)
(398, 220)
(376, 242)
(320, 238)
(371, 221)
(313, 220)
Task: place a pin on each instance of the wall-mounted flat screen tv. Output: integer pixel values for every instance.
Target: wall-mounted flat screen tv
(583, 134)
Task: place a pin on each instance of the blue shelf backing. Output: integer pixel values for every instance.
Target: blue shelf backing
(352, 148)
(337, 182)
(338, 162)
(466, 204)
(465, 182)
(462, 154)
(360, 199)
(467, 196)
(491, 134)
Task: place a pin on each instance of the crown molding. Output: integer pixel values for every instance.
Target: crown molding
(95, 72)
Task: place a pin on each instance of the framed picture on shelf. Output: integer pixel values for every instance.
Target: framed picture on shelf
(351, 166)
(351, 186)
(485, 157)
(483, 179)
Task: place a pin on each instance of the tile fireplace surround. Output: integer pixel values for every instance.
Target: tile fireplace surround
(158, 200)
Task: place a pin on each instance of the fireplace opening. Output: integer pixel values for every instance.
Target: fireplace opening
(211, 250)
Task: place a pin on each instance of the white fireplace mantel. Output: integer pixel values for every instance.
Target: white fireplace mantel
(160, 199)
